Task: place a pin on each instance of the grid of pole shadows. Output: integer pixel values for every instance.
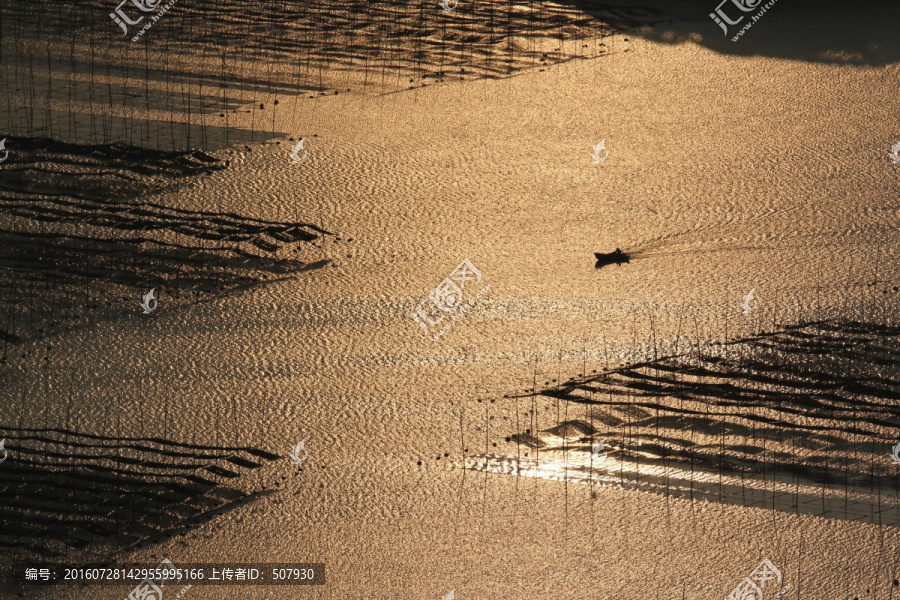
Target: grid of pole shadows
(210, 74)
(67, 492)
(803, 419)
(79, 231)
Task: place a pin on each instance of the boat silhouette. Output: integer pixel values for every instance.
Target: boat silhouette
(617, 257)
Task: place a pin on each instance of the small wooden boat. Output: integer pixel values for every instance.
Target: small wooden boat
(611, 258)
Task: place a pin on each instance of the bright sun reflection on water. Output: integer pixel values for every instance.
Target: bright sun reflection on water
(610, 470)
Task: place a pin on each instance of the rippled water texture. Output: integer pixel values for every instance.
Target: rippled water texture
(732, 431)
